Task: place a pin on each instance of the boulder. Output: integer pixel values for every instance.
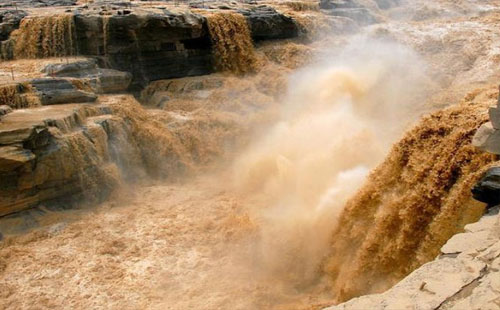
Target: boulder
(487, 189)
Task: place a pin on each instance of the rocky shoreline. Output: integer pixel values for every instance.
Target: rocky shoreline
(464, 276)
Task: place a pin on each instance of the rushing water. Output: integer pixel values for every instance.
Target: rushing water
(300, 198)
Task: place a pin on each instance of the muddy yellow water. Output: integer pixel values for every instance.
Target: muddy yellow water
(308, 182)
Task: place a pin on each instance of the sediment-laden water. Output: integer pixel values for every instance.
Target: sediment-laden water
(299, 176)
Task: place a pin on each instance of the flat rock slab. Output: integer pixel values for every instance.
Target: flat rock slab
(467, 242)
(20, 125)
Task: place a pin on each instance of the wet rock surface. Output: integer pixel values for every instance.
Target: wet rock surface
(487, 190)
(57, 154)
(64, 83)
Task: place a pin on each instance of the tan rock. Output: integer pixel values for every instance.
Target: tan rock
(485, 223)
(468, 242)
(14, 156)
(487, 139)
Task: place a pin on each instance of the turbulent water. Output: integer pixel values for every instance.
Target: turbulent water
(303, 195)
(40, 37)
(410, 205)
(233, 45)
(18, 96)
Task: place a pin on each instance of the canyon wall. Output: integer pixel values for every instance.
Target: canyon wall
(150, 44)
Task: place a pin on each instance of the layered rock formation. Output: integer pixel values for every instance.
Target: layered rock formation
(55, 145)
(487, 190)
(52, 153)
(152, 44)
(75, 82)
